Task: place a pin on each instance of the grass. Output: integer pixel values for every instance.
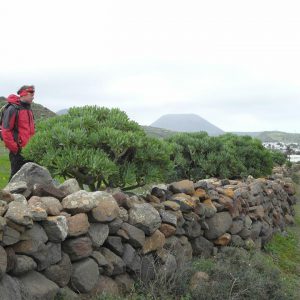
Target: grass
(283, 252)
(4, 166)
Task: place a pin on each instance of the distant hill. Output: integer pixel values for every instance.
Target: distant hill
(278, 136)
(186, 123)
(273, 136)
(62, 111)
(39, 110)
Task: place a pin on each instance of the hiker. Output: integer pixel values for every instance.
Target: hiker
(18, 125)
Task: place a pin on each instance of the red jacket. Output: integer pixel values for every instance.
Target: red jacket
(14, 139)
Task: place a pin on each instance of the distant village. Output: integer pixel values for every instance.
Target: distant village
(291, 149)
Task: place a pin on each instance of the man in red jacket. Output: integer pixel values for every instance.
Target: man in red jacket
(18, 126)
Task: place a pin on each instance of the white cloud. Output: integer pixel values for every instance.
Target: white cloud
(155, 57)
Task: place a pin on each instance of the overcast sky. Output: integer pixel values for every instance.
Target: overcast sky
(234, 63)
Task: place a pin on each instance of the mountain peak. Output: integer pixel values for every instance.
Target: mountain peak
(186, 123)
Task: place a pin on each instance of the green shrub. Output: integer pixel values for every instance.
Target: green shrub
(100, 147)
(278, 157)
(4, 166)
(197, 156)
(238, 274)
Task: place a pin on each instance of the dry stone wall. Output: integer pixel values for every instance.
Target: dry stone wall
(63, 240)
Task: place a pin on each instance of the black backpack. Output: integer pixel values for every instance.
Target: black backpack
(2, 110)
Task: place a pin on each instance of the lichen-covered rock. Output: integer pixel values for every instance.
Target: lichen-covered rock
(145, 217)
(167, 217)
(106, 209)
(19, 213)
(56, 228)
(79, 202)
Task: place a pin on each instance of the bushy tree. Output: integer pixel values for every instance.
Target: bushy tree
(278, 157)
(100, 147)
(256, 159)
(198, 155)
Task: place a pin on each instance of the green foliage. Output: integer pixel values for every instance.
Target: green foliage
(99, 146)
(284, 250)
(197, 155)
(278, 157)
(4, 166)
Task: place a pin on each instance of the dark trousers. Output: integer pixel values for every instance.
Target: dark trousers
(16, 162)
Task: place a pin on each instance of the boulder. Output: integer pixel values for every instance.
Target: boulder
(3, 262)
(116, 261)
(131, 259)
(78, 248)
(32, 173)
(56, 228)
(84, 276)
(12, 188)
(78, 225)
(79, 202)
(202, 247)
(3, 207)
(10, 288)
(218, 225)
(183, 186)
(35, 286)
(44, 190)
(70, 186)
(136, 237)
(106, 209)
(106, 286)
(154, 242)
(19, 213)
(60, 273)
(23, 265)
(114, 243)
(10, 236)
(98, 233)
(145, 217)
(53, 205)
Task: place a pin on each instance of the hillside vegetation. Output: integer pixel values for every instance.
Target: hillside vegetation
(265, 136)
(39, 111)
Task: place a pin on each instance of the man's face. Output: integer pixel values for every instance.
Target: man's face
(28, 98)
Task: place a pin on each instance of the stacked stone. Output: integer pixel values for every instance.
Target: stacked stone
(60, 239)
